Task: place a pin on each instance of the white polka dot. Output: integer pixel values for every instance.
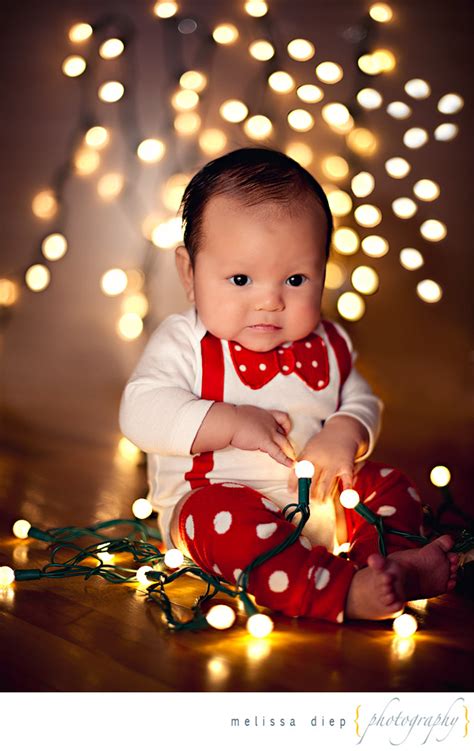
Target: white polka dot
(232, 485)
(217, 569)
(370, 497)
(314, 364)
(278, 581)
(280, 351)
(262, 366)
(414, 494)
(236, 573)
(320, 384)
(270, 505)
(237, 347)
(242, 368)
(340, 617)
(305, 542)
(222, 522)
(386, 511)
(323, 343)
(321, 577)
(285, 367)
(310, 572)
(308, 345)
(264, 531)
(298, 365)
(189, 526)
(386, 471)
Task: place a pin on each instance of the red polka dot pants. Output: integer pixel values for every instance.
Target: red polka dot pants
(227, 525)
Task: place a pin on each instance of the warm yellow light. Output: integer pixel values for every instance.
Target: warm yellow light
(127, 450)
(258, 650)
(173, 558)
(335, 167)
(362, 184)
(417, 88)
(281, 82)
(258, 127)
(365, 280)
(411, 259)
(21, 528)
(300, 152)
(433, 230)
(402, 648)
(187, 123)
(309, 93)
(9, 292)
(351, 306)
(165, 9)
(338, 116)
(111, 91)
(384, 59)
(80, 32)
(426, 190)
(74, 66)
(167, 234)
(300, 120)
(233, 110)
(397, 167)
(370, 99)
(369, 65)
(142, 508)
(404, 208)
(368, 215)
(110, 185)
(172, 193)
(111, 48)
(129, 326)
(304, 468)
(185, 99)
(413, 138)
(136, 303)
(97, 137)
(335, 276)
(259, 625)
(45, 204)
(7, 576)
(136, 279)
(446, 132)
(194, 80)
(329, 72)
(375, 246)
(405, 625)
(113, 282)
(212, 141)
(225, 33)
(151, 150)
(345, 241)
(399, 110)
(141, 575)
(262, 50)
(449, 104)
(300, 49)
(429, 291)
(362, 141)
(340, 202)
(54, 246)
(349, 498)
(256, 8)
(37, 277)
(440, 476)
(381, 12)
(220, 616)
(86, 161)
(419, 605)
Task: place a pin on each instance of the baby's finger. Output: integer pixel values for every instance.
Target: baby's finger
(285, 445)
(273, 450)
(345, 480)
(322, 487)
(282, 418)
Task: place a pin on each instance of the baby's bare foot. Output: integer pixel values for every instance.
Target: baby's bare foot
(428, 571)
(377, 591)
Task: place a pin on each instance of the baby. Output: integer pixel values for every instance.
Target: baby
(228, 395)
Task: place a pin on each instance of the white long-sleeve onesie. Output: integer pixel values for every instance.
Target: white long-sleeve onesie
(161, 412)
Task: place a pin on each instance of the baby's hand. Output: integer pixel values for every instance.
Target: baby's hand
(263, 430)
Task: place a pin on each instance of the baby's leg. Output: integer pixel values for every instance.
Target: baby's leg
(224, 527)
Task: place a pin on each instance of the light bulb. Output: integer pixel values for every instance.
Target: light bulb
(365, 280)
(142, 508)
(7, 576)
(220, 617)
(429, 291)
(141, 575)
(375, 246)
(397, 167)
(300, 49)
(281, 82)
(106, 557)
(399, 110)
(74, 66)
(225, 33)
(165, 9)
(111, 49)
(411, 259)
(368, 215)
(414, 138)
(80, 32)
(262, 50)
(362, 184)
(446, 132)
(381, 12)
(97, 137)
(405, 625)
(129, 326)
(417, 88)
(113, 282)
(404, 208)
(329, 72)
(259, 625)
(450, 103)
(173, 558)
(111, 91)
(440, 476)
(349, 498)
(233, 110)
(256, 8)
(194, 80)
(345, 241)
(54, 246)
(258, 127)
(370, 99)
(309, 93)
(300, 120)
(433, 230)
(151, 150)
(426, 190)
(37, 277)
(304, 468)
(351, 306)
(21, 528)
(9, 292)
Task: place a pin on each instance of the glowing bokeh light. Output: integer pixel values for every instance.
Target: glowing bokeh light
(440, 476)
(433, 230)
(426, 190)
(233, 110)
(173, 190)
(417, 88)
(225, 33)
(446, 132)
(262, 50)
(381, 12)
(256, 8)
(45, 204)
(212, 141)
(151, 150)
(37, 277)
(129, 326)
(368, 215)
(165, 9)
(142, 508)
(54, 246)
(414, 138)
(329, 72)
(259, 625)
(310, 93)
(185, 99)
(173, 558)
(397, 167)
(349, 498)
(362, 184)
(97, 137)
(258, 127)
(86, 161)
(362, 141)
(404, 207)
(345, 241)
(111, 91)
(335, 167)
(9, 292)
(351, 306)
(449, 104)
(340, 202)
(7, 576)
(301, 49)
(399, 110)
(335, 275)
(375, 246)
(21, 528)
(113, 282)
(405, 625)
(220, 617)
(370, 99)
(193, 80)
(111, 48)
(411, 259)
(187, 123)
(300, 152)
(300, 120)
(365, 280)
(110, 185)
(429, 291)
(74, 66)
(281, 82)
(80, 32)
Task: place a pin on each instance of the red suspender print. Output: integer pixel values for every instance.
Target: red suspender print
(341, 350)
(212, 358)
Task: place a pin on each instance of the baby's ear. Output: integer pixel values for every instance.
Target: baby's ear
(185, 271)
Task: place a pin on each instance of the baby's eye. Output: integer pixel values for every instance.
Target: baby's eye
(296, 280)
(239, 280)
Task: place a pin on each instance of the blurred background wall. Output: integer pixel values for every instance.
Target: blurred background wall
(64, 363)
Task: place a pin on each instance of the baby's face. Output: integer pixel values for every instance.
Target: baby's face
(259, 272)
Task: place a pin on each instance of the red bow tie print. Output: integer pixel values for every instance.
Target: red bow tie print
(306, 357)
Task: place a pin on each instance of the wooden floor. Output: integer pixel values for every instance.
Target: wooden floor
(72, 635)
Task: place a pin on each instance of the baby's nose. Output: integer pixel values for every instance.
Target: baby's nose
(271, 299)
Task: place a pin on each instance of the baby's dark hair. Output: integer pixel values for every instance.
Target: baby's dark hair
(252, 176)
